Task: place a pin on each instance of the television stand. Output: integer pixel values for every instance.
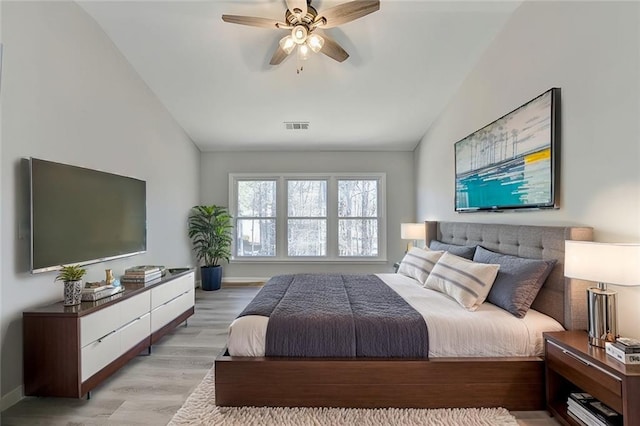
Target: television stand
(68, 351)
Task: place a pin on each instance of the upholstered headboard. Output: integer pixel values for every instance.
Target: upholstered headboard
(561, 298)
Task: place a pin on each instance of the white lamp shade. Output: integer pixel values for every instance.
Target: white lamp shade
(412, 231)
(608, 263)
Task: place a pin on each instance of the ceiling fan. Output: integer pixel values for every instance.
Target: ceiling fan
(304, 20)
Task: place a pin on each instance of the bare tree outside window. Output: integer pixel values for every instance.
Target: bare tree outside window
(307, 217)
(256, 218)
(357, 217)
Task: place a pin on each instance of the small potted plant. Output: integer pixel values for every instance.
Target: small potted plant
(71, 275)
(210, 231)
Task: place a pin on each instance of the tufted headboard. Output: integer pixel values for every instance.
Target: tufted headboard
(561, 298)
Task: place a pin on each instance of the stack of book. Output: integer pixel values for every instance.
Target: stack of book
(587, 410)
(625, 350)
(96, 291)
(141, 274)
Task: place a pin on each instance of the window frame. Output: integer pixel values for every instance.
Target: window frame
(332, 254)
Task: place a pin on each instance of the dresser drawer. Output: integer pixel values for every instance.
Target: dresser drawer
(165, 292)
(602, 384)
(99, 324)
(99, 353)
(135, 307)
(135, 331)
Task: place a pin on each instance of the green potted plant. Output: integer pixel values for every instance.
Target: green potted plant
(71, 275)
(210, 232)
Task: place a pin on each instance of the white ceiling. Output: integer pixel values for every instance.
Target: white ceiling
(406, 62)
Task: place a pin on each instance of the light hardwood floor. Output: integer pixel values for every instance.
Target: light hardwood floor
(150, 389)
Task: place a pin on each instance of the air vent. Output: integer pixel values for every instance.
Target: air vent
(296, 125)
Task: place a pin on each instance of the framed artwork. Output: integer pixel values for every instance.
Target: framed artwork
(511, 163)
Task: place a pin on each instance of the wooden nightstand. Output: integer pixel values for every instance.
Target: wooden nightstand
(571, 364)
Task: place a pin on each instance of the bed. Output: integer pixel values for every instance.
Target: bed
(513, 381)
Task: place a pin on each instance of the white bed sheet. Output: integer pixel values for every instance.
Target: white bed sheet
(453, 331)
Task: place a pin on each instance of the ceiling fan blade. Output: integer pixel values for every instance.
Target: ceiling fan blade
(333, 49)
(300, 5)
(278, 56)
(251, 21)
(347, 12)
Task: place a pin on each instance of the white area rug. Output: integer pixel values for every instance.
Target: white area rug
(199, 409)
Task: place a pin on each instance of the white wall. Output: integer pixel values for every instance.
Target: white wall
(591, 51)
(398, 166)
(68, 95)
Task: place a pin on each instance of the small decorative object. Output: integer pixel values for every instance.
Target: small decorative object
(71, 275)
(109, 277)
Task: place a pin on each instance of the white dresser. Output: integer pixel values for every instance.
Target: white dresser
(69, 350)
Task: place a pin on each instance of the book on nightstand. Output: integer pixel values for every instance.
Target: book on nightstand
(576, 419)
(624, 354)
(591, 411)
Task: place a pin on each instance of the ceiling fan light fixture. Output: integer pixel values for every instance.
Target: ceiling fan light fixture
(287, 44)
(303, 52)
(299, 34)
(315, 42)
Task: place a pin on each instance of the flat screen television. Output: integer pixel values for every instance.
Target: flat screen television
(511, 163)
(82, 216)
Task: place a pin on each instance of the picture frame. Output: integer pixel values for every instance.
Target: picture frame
(511, 163)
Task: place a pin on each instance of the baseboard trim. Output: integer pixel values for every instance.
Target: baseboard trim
(244, 281)
(11, 398)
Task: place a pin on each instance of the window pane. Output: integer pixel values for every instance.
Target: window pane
(256, 198)
(307, 237)
(357, 198)
(307, 198)
(256, 237)
(358, 237)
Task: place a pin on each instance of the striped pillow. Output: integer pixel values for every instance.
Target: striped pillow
(466, 281)
(418, 263)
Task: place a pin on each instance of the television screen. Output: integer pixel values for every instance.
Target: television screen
(81, 216)
(510, 163)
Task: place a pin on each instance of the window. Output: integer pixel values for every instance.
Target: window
(308, 217)
(256, 218)
(358, 217)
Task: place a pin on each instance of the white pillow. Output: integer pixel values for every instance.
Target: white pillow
(466, 281)
(418, 263)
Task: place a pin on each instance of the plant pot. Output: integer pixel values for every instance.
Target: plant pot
(211, 277)
(72, 293)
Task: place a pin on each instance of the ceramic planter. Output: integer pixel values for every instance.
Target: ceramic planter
(72, 293)
(211, 277)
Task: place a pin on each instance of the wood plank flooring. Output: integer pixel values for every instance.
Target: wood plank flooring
(150, 389)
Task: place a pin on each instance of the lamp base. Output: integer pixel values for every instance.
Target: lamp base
(603, 325)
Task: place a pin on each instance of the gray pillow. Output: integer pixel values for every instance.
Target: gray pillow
(462, 251)
(518, 282)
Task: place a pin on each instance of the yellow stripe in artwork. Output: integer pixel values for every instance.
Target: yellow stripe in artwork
(545, 154)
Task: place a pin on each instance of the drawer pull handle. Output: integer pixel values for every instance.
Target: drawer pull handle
(572, 355)
(584, 361)
(105, 336)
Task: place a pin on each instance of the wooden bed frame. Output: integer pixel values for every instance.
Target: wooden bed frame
(514, 383)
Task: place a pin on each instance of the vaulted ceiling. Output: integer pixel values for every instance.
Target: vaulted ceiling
(406, 62)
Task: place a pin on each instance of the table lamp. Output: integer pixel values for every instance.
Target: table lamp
(412, 231)
(604, 263)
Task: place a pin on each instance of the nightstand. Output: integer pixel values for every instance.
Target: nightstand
(571, 365)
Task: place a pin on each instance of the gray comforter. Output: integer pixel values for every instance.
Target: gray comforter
(332, 315)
